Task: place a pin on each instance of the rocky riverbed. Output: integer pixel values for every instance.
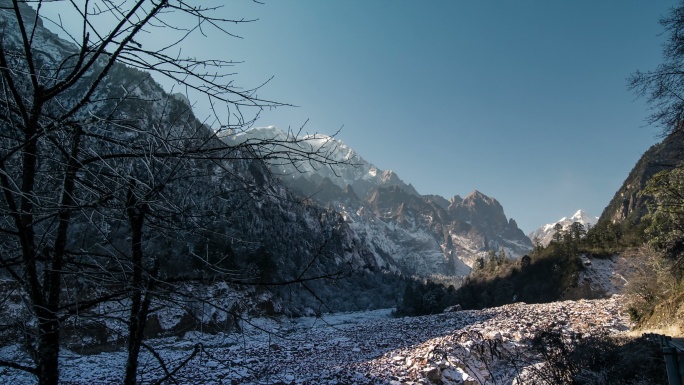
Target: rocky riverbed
(471, 347)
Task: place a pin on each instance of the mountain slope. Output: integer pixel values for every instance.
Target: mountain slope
(424, 235)
(351, 170)
(627, 203)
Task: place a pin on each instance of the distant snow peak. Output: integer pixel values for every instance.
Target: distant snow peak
(315, 140)
(322, 141)
(545, 233)
(584, 218)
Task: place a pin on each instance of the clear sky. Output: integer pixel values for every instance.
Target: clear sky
(525, 101)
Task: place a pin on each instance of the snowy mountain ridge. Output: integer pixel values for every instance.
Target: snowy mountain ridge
(545, 233)
(350, 169)
(424, 235)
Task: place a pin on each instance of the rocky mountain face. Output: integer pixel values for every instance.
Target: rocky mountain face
(545, 233)
(405, 231)
(627, 203)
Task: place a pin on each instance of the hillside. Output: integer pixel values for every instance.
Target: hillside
(129, 185)
(627, 205)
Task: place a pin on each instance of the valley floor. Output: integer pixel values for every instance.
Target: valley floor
(362, 348)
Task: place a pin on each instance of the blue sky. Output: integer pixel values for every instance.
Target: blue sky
(525, 101)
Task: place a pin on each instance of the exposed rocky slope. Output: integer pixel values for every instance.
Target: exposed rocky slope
(603, 277)
(628, 204)
(451, 348)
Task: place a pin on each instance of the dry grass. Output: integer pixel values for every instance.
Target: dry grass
(671, 330)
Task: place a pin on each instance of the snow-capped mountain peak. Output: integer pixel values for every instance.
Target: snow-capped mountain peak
(582, 217)
(545, 233)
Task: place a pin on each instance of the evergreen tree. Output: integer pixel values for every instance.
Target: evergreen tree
(666, 214)
(501, 257)
(558, 233)
(577, 231)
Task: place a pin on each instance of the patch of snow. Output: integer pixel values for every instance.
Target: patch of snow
(606, 275)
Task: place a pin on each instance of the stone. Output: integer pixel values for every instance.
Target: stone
(432, 373)
(420, 350)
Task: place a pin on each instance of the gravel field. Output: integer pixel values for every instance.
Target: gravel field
(362, 348)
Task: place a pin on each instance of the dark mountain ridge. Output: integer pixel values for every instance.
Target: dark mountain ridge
(218, 213)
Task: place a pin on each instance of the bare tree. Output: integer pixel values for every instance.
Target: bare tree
(663, 87)
(98, 165)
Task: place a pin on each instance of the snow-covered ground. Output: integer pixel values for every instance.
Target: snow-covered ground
(363, 348)
(606, 275)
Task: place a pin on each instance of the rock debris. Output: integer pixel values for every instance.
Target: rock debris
(462, 347)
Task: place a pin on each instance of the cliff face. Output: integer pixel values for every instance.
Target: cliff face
(423, 235)
(628, 204)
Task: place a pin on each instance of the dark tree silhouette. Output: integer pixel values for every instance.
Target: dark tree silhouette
(663, 87)
(99, 166)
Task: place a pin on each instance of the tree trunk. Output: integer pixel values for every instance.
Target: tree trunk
(140, 297)
(136, 335)
(48, 348)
